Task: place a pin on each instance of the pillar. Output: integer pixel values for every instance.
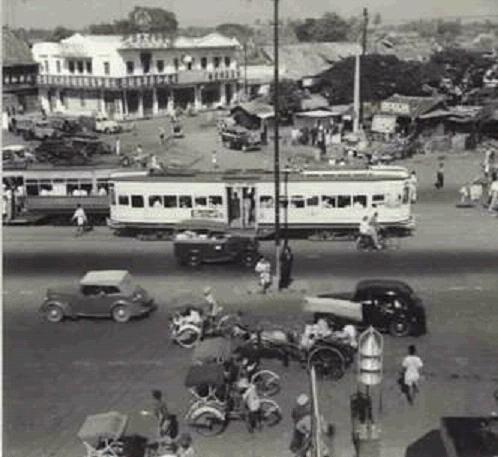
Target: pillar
(43, 96)
(234, 94)
(125, 103)
(223, 94)
(102, 102)
(58, 105)
(155, 103)
(171, 103)
(197, 97)
(119, 107)
(140, 105)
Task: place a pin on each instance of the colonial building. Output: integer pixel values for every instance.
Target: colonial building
(138, 76)
(19, 70)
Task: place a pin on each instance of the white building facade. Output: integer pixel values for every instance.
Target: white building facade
(139, 76)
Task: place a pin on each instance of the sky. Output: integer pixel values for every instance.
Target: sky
(79, 13)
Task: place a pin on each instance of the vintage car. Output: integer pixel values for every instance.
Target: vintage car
(203, 241)
(240, 138)
(388, 305)
(104, 293)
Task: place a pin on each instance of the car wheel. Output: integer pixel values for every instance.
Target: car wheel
(54, 314)
(249, 259)
(399, 327)
(121, 314)
(194, 260)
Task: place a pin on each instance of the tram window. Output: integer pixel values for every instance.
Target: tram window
(185, 201)
(124, 200)
(170, 201)
(378, 200)
(312, 201)
(72, 185)
(329, 201)
(215, 201)
(200, 201)
(359, 201)
(137, 201)
(266, 201)
(46, 187)
(102, 184)
(344, 201)
(86, 187)
(155, 201)
(32, 187)
(297, 201)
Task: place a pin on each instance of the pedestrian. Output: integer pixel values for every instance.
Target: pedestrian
(440, 176)
(214, 308)
(80, 217)
(286, 260)
(117, 146)
(252, 404)
(412, 364)
(247, 202)
(263, 268)
(301, 416)
(162, 135)
(493, 196)
(165, 421)
(214, 160)
(185, 448)
(412, 183)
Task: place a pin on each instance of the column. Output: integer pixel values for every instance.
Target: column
(223, 94)
(119, 107)
(140, 104)
(197, 97)
(102, 102)
(43, 96)
(171, 103)
(58, 105)
(125, 103)
(235, 94)
(155, 103)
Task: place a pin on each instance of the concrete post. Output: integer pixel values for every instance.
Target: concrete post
(171, 103)
(103, 109)
(125, 103)
(223, 94)
(197, 97)
(155, 103)
(140, 105)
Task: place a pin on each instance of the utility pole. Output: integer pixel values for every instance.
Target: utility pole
(363, 52)
(276, 141)
(245, 70)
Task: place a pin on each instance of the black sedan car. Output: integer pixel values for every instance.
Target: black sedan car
(388, 305)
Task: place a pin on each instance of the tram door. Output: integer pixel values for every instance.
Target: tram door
(241, 206)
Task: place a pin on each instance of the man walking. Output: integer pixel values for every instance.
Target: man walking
(162, 135)
(412, 364)
(301, 416)
(286, 260)
(263, 268)
(252, 403)
(80, 217)
(161, 413)
(440, 176)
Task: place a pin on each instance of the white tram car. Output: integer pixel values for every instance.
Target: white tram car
(322, 202)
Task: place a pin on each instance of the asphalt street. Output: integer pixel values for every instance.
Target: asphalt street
(54, 375)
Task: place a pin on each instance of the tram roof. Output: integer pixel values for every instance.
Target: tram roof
(353, 174)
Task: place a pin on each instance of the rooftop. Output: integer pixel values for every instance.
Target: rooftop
(14, 50)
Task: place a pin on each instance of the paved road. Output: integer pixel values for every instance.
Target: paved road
(57, 374)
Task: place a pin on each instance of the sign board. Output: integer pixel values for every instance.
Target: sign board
(384, 123)
(402, 109)
(206, 214)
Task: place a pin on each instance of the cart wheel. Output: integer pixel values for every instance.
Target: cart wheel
(188, 338)
(328, 363)
(194, 260)
(270, 412)
(208, 424)
(226, 323)
(267, 383)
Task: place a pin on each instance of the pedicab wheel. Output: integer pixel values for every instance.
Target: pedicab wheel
(54, 314)
(249, 259)
(328, 362)
(207, 424)
(121, 314)
(267, 383)
(226, 323)
(194, 260)
(188, 338)
(399, 327)
(270, 412)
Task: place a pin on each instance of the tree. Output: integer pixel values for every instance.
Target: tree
(289, 99)
(328, 28)
(241, 32)
(153, 20)
(377, 19)
(102, 29)
(60, 33)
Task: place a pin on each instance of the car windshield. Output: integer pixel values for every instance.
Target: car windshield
(128, 285)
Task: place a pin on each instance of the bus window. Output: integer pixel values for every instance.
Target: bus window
(312, 201)
(137, 201)
(155, 201)
(329, 201)
(185, 201)
(215, 201)
(378, 200)
(359, 201)
(200, 201)
(297, 201)
(266, 201)
(32, 187)
(124, 200)
(344, 201)
(170, 201)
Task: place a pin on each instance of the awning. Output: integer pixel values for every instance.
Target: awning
(383, 123)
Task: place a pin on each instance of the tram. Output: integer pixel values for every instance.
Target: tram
(40, 193)
(326, 203)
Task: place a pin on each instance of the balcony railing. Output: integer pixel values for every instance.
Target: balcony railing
(102, 82)
(205, 76)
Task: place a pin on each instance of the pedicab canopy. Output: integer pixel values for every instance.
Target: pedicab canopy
(212, 350)
(105, 426)
(210, 374)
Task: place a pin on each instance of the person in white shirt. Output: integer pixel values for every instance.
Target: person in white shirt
(252, 402)
(348, 335)
(214, 307)
(493, 192)
(80, 217)
(412, 182)
(412, 364)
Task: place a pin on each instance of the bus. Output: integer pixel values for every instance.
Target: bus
(324, 203)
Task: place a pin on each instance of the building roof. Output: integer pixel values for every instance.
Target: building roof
(212, 40)
(14, 50)
(257, 108)
(309, 59)
(417, 106)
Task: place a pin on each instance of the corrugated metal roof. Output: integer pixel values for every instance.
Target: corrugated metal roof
(14, 50)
